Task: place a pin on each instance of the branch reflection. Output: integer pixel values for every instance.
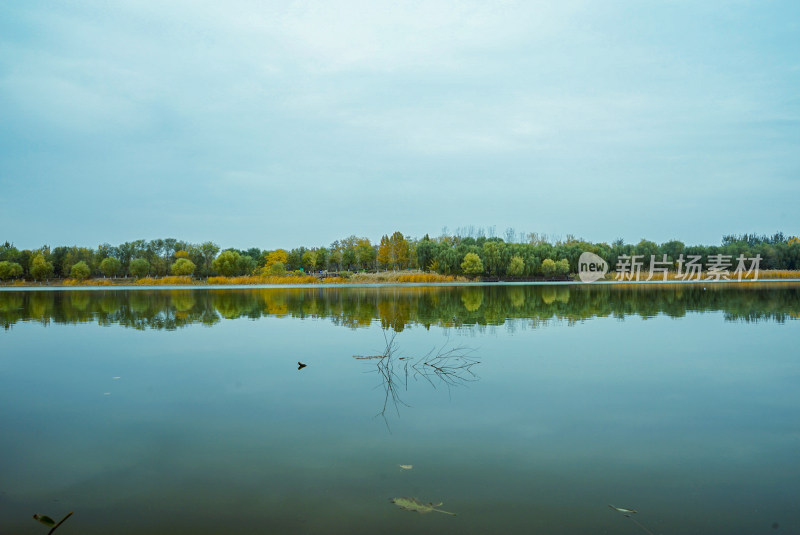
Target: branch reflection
(441, 366)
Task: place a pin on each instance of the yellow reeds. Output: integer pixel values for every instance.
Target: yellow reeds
(165, 281)
(334, 280)
(763, 274)
(87, 282)
(779, 274)
(264, 279)
(403, 276)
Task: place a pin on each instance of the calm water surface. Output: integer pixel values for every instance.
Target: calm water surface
(183, 411)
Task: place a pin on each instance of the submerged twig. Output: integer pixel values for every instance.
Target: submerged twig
(47, 521)
(452, 367)
(59, 523)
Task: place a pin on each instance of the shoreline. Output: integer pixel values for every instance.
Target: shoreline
(199, 286)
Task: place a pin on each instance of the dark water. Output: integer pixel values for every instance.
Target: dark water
(525, 409)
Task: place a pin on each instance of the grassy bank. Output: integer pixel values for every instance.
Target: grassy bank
(765, 274)
(389, 277)
(386, 277)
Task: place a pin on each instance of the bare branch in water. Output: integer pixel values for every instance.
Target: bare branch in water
(59, 523)
(451, 367)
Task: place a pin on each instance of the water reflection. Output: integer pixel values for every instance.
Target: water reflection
(441, 366)
(398, 307)
(205, 431)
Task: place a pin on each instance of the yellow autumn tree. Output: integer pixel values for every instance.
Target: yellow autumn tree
(394, 252)
(279, 255)
(385, 252)
(401, 250)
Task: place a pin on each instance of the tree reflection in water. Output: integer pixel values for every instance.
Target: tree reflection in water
(460, 307)
(440, 366)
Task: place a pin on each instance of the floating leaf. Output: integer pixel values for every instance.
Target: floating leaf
(413, 504)
(627, 514)
(623, 510)
(406, 466)
(44, 519)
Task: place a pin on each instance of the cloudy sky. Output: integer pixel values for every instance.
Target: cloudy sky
(279, 124)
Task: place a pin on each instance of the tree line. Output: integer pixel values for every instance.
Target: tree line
(461, 253)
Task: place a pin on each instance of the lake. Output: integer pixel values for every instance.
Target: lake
(523, 408)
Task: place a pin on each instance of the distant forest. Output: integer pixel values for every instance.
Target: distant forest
(467, 252)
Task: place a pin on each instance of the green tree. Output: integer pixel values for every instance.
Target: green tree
(310, 259)
(9, 270)
(9, 253)
(124, 252)
(516, 267)
(323, 257)
(349, 257)
(447, 261)
(548, 267)
(472, 265)
(110, 266)
(209, 251)
(139, 267)
(647, 249)
(562, 267)
(492, 255)
(58, 257)
(40, 268)
(79, 271)
(334, 257)
(278, 269)
(426, 252)
(526, 253)
(294, 258)
(365, 253)
(182, 267)
(227, 263)
(247, 264)
(673, 249)
(66, 257)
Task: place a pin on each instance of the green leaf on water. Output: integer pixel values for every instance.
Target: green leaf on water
(44, 519)
(414, 505)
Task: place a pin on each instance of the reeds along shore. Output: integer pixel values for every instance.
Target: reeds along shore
(765, 274)
(355, 278)
(386, 277)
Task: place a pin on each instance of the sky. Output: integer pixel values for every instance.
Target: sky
(279, 124)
